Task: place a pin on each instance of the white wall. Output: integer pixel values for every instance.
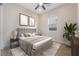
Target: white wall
(11, 20)
(66, 13)
(1, 26)
(78, 15)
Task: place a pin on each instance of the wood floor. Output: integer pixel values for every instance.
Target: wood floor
(62, 51)
(6, 52)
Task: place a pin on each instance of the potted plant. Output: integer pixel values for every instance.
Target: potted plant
(69, 30)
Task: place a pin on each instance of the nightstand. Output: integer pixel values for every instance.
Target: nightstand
(14, 43)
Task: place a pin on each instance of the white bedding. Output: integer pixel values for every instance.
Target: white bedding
(36, 44)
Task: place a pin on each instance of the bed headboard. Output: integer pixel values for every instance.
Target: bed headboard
(26, 30)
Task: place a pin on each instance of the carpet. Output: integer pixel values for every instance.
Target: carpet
(49, 52)
(55, 50)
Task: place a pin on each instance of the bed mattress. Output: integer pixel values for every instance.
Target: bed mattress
(34, 43)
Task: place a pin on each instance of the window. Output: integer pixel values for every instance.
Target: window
(26, 20)
(23, 20)
(52, 23)
(31, 21)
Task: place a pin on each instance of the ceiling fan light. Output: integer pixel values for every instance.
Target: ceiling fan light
(39, 10)
(40, 4)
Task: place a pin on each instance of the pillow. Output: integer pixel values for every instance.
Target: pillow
(33, 34)
(26, 34)
(21, 35)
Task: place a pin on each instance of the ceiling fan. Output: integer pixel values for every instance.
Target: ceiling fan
(0, 3)
(41, 5)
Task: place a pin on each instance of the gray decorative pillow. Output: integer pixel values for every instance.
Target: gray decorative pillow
(26, 35)
(21, 35)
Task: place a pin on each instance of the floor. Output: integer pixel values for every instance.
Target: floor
(64, 51)
(55, 50)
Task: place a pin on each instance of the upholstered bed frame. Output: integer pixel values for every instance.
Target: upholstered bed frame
(25, 30)
(28, 47)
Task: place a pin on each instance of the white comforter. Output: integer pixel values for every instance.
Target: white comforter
(35, 44)
(34, 40)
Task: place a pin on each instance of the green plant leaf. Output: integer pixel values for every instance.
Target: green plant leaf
(69, 30)
(74, 24)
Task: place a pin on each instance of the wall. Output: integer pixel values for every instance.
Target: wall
(11, 20)
(1, 26)
(66, 13)
(78, 15)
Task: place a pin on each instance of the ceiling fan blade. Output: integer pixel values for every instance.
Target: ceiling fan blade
(43, 7)
(0, 3)
(36, 6)
(46, 3)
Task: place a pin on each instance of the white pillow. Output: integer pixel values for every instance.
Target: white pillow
(32, 34)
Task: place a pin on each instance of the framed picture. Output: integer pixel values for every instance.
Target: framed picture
(23, 20)
(31, 21)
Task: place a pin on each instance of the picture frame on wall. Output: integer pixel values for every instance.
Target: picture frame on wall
(31, 22)
(23, 20)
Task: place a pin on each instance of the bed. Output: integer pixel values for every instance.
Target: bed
(35, 44)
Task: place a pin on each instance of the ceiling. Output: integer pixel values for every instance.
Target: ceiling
(40, 10)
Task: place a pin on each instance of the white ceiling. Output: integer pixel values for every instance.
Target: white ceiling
(49, 7)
